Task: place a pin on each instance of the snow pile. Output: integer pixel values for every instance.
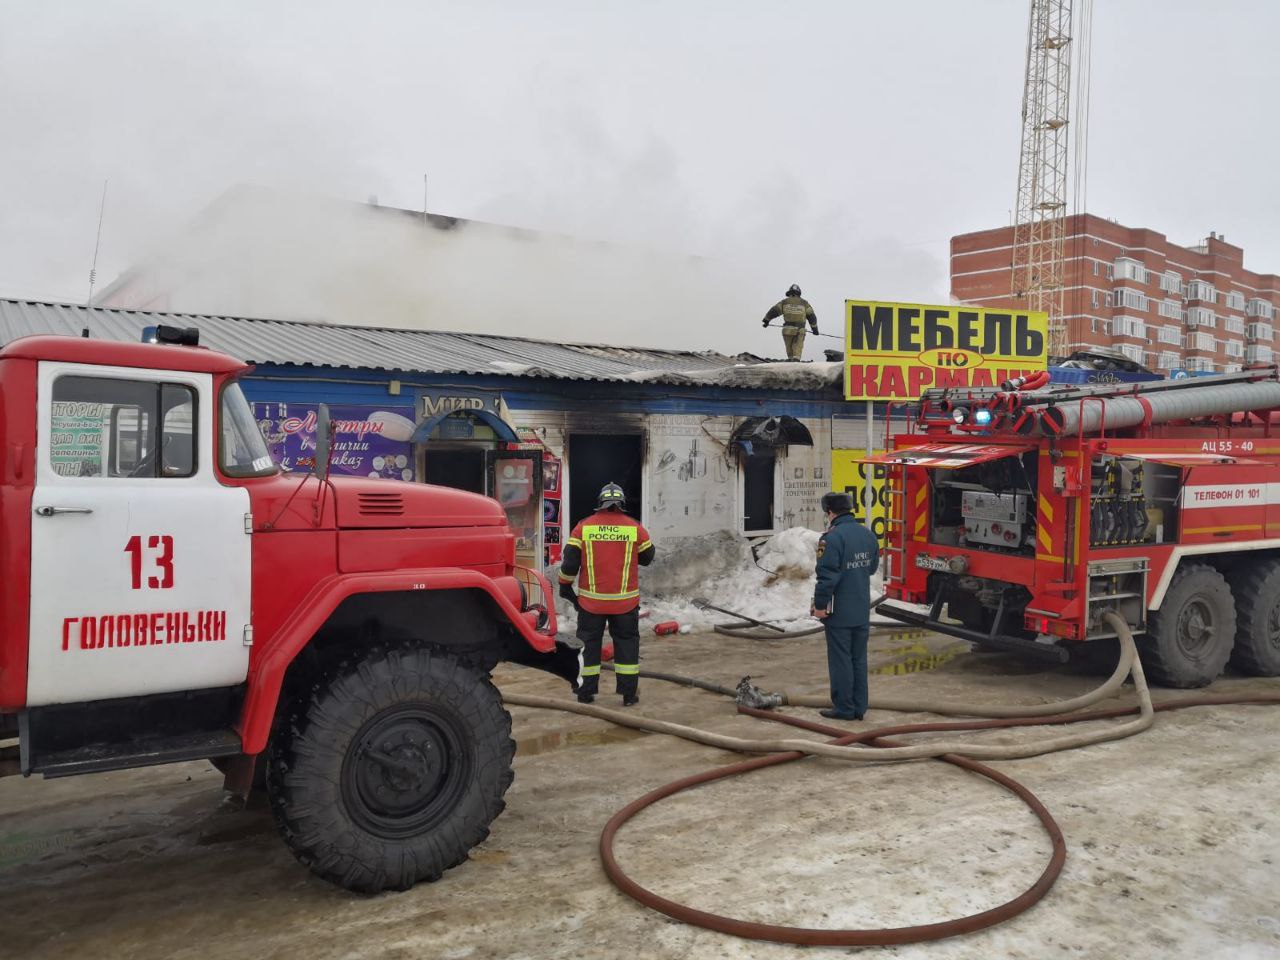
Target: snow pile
(786, 375)
(720, 568)
(520, 369)
(778, 588)
(792, 553)
(510, 366)
(792, 375)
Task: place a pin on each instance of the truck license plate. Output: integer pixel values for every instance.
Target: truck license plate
(926, 562)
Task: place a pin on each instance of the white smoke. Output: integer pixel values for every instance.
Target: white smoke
(262, 252)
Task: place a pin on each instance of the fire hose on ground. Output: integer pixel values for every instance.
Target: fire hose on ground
(750, 629)
(871, 746)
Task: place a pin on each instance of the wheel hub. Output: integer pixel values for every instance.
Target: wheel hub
(1195, 628)
(405, 770)
(1273, 627)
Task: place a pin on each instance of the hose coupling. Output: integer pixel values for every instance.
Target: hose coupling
(749, 695)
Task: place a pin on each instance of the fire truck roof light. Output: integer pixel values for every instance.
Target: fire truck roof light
(181, 336)
(960, 414)
(982, 416)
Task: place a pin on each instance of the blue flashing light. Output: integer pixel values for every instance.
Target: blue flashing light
(150, 335)
(981, 417)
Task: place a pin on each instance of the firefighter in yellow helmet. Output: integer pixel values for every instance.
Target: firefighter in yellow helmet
(794, 311)
(602, 554)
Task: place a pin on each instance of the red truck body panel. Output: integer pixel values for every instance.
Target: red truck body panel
(313, 544)
(1220, 494)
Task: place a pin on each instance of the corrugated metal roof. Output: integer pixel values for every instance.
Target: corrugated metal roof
(295, 343)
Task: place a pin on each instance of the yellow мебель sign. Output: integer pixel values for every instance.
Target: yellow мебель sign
(896, 351)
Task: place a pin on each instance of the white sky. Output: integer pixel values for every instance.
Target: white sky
(861, 132)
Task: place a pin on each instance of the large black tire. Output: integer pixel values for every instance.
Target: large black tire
(1257, 591)
(392, 769)
(1190, 637)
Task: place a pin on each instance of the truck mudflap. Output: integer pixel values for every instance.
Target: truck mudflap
(1054, 652)
(565, 661)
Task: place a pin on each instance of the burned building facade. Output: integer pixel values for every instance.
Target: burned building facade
(703, 443)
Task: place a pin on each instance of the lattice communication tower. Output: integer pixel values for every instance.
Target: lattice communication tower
(1040, 210)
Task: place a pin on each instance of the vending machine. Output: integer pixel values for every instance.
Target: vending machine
(514, 479)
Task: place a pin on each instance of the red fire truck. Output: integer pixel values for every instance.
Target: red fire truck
(170, 594)
(1025, 513)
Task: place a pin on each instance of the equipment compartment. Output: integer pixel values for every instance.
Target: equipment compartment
(989, 506)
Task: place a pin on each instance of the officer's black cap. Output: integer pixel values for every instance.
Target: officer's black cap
(837, 503)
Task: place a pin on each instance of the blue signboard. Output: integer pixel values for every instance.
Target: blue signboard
(367, 441)
(1079, 375)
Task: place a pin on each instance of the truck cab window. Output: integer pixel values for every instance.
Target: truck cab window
(178, 454)
(103, 427)
(242, 450)
(130, 441)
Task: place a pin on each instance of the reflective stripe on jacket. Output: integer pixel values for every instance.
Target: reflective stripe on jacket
(603, 554)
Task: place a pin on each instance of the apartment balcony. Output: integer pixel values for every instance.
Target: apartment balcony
(1201, 346)
(1259, 308)
(1201, 293)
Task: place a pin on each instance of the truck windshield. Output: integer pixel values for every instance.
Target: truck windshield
(242, 450)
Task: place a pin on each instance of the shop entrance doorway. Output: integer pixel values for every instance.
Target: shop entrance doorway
(462, 468)
(597, 459)
(758, 473)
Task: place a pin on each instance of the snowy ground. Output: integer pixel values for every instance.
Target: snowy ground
(778, 587)
(1173, 839)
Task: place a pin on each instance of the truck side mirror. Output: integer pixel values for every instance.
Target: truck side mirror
(324, 442)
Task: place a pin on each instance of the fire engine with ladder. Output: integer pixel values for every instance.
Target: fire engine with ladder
(1021, 515)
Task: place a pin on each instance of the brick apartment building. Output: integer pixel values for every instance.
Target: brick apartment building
(1169, 307)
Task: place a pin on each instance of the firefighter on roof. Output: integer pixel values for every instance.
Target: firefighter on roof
(794, 311)
(602, 554)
